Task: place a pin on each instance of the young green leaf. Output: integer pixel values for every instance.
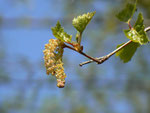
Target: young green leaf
(132, 35)
(59, 33)
(139, 27)
(137, 33)
(127, 13)
(127, 52)
(82, 21)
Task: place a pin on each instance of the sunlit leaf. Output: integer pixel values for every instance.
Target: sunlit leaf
(59, 33)
(127, 52)
(137, 33)
(127, 13)
(82, 21)
(132, 35)
(139, 27)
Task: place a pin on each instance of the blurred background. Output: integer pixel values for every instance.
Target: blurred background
(112, 87)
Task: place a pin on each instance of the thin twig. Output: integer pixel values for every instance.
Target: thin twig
(104, 58)
(82, 53)
(147, 29)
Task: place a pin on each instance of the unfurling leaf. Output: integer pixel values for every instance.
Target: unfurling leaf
(82, 21)
(127, 52)
(127, 13)
(137, 33)
(59, 33)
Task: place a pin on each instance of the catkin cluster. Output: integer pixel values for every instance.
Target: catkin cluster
(53, 61)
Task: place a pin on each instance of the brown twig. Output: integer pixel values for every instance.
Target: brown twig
(82, 53)
(104, 58)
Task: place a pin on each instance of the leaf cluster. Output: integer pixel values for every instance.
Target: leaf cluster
(135, 33)
(80, 23)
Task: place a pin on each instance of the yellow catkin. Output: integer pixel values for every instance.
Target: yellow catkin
(53, 61)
